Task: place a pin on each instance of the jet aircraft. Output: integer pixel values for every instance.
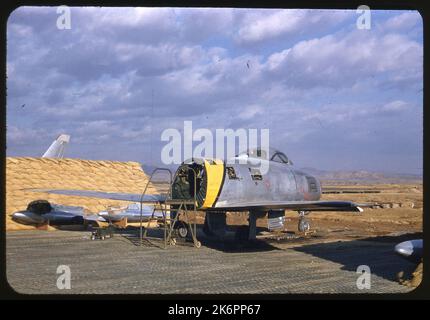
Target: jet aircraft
(237, 185)
(42, 212)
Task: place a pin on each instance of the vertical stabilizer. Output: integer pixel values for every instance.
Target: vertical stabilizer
(56, 150)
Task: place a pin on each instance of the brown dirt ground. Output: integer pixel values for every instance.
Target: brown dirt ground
(370, 223)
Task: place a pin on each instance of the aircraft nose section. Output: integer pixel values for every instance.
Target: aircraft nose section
(20, 216)
(405, 248)
(411, 250)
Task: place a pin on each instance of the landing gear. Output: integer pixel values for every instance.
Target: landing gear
(215, 224)
(304, 225)
(181, 229)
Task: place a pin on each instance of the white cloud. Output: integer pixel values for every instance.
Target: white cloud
(260, 27)
(269, 24)
(19, 135)
(403, 21)
(133, 17)
(345, 59)
(250, 112)
(394, 106)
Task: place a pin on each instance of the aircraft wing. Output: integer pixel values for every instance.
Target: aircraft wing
(292, 205)
(132, 197)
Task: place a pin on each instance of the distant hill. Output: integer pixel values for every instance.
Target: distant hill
(149, 169)
(362, 175)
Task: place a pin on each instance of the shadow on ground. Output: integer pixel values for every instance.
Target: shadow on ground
(229, 243)
(375, 252)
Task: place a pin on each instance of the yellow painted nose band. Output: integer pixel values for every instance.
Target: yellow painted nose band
(215, 174)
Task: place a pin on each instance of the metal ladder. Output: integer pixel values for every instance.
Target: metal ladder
(182, 210)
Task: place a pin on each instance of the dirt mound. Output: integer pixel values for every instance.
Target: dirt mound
(24, 173)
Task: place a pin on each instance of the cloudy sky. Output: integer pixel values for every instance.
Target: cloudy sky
(333, 96)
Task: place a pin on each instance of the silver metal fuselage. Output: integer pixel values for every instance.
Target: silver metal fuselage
(280, 183)
(53, 217)
(233, 183)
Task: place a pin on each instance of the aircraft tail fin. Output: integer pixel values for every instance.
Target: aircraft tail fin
(56, 150)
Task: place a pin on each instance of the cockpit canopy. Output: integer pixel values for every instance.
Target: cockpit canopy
(274, 155)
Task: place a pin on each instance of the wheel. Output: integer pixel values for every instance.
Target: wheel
(182, 229)
(304, 225)
(197, 244)
(173, 242)
(93, 237)
(102, 237)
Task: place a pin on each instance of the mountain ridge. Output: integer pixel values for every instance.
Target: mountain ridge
(361, 175)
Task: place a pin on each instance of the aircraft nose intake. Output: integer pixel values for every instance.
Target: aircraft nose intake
(20, 216)
(405, 248)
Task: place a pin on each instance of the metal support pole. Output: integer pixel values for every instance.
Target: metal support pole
(252, 226)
